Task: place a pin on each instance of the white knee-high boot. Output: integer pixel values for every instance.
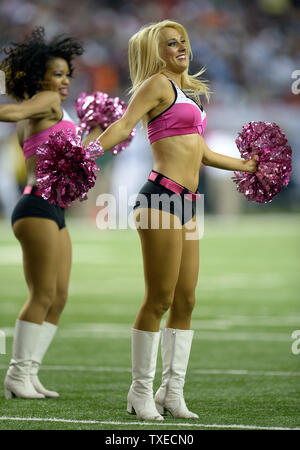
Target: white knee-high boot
(175, 350)
(17, 382)
(47, 334)
(144, 348)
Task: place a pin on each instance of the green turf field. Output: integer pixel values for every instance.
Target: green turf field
(242, 370)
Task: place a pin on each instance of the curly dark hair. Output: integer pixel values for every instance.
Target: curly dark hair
(26, 62)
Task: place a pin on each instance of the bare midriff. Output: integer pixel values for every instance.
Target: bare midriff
(179, 158)
(30, 164)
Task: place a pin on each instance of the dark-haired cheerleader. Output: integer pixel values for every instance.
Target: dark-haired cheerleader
(38, 75)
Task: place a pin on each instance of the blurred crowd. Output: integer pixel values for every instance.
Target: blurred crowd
(250, 49)
(250, 45)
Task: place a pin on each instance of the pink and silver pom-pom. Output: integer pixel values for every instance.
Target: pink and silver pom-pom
(274, 161)
(100, 109)
(65, 170)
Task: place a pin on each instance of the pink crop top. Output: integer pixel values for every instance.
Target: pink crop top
(184, 116)
(33, 142)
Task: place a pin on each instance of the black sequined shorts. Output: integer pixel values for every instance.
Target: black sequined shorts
(33, 205)
(157, 196)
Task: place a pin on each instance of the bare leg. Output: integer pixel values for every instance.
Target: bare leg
(39, 239)
(161, 256)
(177, 338)
(40, 243)
(184, 299)
(49, 326)
(63, 276)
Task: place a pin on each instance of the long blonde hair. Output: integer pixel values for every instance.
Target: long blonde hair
(145, 61)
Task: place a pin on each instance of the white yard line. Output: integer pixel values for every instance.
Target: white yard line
(89, 331)
(141, 423)
(240, 372)
(245, 372)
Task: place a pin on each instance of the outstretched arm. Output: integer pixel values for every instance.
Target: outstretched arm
(92, 136)
(37, 107)
(220, 161)
(147, 97)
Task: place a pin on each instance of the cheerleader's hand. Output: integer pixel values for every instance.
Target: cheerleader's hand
(251, 164)
(92, 136)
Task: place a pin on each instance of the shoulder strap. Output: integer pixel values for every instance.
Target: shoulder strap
(173, 83)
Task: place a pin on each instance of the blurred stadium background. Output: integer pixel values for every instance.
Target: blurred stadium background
(242, 367)
(250, 49)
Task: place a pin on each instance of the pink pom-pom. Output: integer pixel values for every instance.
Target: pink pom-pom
(274, 161)
(100, 109)
(65, 170)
